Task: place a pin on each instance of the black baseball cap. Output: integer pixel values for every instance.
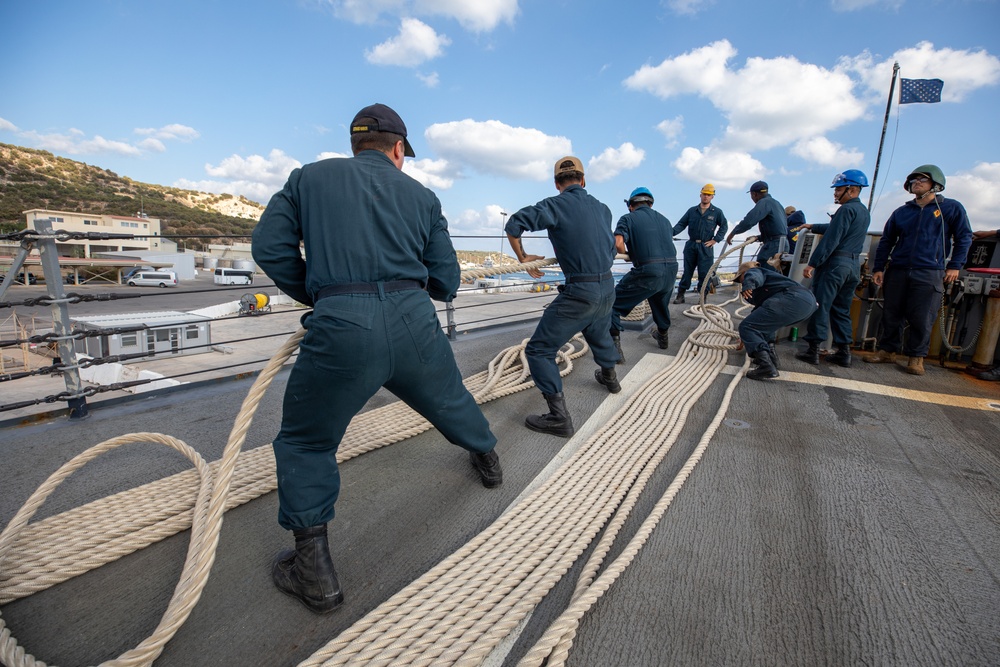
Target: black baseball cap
(380, 118)
(759, 186)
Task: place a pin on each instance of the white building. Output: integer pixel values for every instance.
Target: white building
(146, 230)
(174, 332)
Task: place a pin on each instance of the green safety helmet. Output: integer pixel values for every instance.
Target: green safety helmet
(930, 170)
(640, 194)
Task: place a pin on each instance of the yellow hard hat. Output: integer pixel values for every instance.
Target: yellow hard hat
(708, 189)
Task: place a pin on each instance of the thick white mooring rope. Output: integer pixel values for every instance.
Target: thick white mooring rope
(465, 640)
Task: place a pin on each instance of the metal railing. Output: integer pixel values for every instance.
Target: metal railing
(530, 296)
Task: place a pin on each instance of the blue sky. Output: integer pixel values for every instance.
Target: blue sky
(226, 96)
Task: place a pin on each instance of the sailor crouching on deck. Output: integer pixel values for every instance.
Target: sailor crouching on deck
(378, 251)
(778, 302)
(579, 227)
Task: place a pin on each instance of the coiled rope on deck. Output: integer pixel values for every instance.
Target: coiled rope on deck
(212, 501)
(81, 539)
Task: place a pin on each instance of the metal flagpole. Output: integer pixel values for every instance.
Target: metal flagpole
(885, 123)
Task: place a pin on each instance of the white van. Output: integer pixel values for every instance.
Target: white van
(153, 279)
(233, 277)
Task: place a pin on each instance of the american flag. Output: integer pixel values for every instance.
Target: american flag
(920, 90)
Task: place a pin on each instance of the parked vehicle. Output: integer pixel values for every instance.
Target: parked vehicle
(153, 279)
(233, 277)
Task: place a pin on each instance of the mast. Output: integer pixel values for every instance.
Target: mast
(881, 142)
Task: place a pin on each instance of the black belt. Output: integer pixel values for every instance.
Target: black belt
(588, 278)
(658, 260)
(852, 255)
(774, 238)
(369, 288)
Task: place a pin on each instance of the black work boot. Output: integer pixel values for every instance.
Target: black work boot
(661, 338)
(773, 353)
(765, 369)
(680, 296)
(488, 467)
(306, 572)
(842, 357)
(556, 422)
(616, 339)
(810, 355)
(609, 378)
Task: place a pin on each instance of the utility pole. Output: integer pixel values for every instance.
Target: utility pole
(503, 225)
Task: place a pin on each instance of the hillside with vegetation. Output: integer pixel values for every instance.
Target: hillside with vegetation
(32, 179)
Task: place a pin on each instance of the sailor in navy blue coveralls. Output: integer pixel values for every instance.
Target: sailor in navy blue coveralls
(377, 250)
(836, 263)
(579, 228)
(706, 225)
(770, 216)
(923, 246)
(778, 302)
(647, 238)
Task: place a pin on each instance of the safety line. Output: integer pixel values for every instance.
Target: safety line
(969, 402)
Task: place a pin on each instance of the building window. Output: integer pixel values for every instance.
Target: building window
(191, 333)
(130, 340)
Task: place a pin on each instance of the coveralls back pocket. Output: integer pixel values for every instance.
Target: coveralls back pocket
(425, 332)
(337, 342)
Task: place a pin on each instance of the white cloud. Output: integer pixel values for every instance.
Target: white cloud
(853, 5)
(366, 11)
(699, 71)
(671, 130)
(491, 147)
(152, 145)
(430, 80)
(477, 16)
(688, 7)
(255, 177)
(6, 125)
(173, 131)
(326, 155)
(962, 71)
(434, 174)
(485, 222)
(823, 151)
(415, 44)
(614, 161)
(768, 102)
(725, 169)
(979, 191)
(75, 144)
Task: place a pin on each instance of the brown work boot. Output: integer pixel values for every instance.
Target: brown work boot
(881, 357)
(915, 366)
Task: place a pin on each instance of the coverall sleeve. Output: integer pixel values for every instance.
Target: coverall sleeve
(530, 219)
(682, 223)
(961, 232)
(755, 215)
(832, 233)
(275, 243)
(752, 279)
(443, 271)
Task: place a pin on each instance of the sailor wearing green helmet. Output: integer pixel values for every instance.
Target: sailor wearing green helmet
(923, 246)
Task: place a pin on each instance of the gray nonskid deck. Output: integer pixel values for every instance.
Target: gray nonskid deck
(822, 527)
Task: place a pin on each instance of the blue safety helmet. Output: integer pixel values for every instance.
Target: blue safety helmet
(640, 194)
(850, 177)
